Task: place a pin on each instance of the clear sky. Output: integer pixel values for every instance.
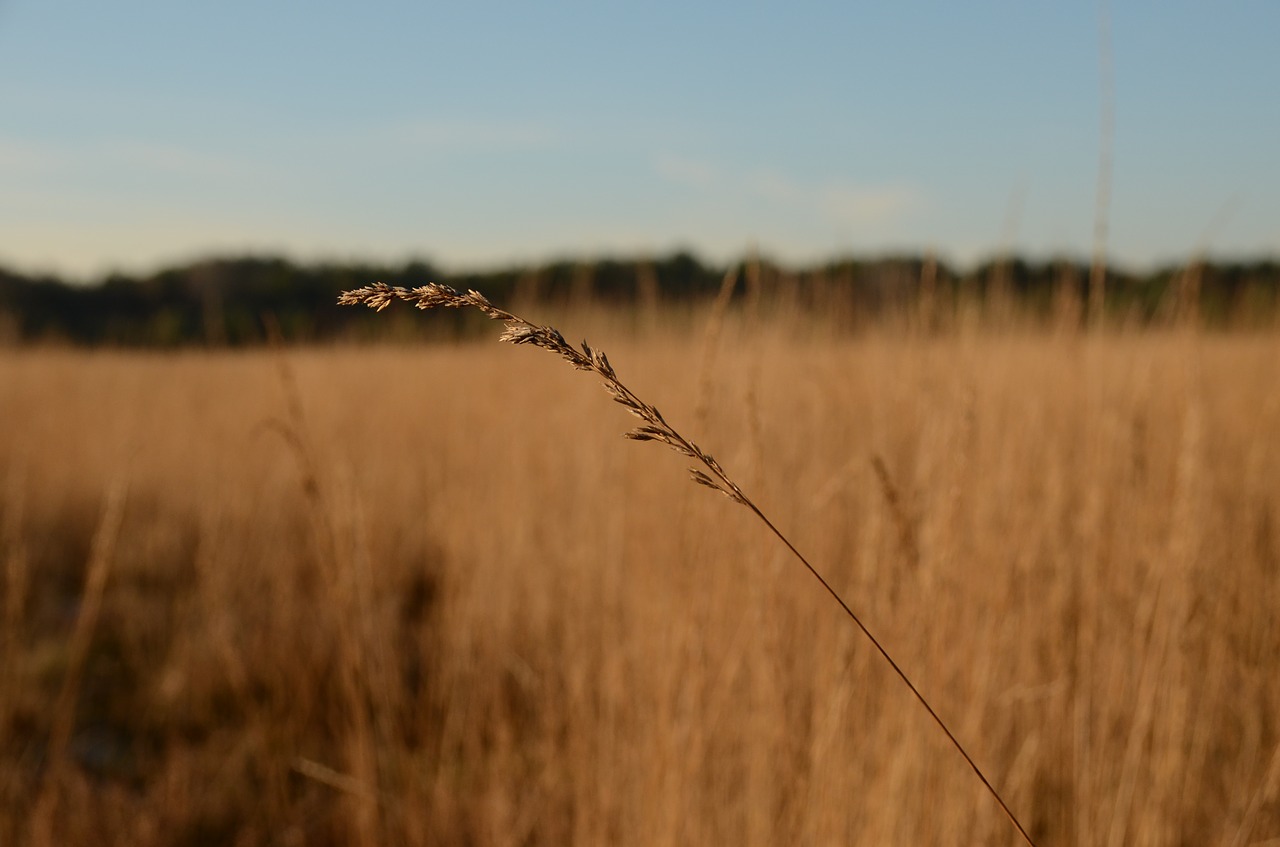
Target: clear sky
(139, 132)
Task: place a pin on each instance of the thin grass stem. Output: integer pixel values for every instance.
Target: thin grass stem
(653, 427)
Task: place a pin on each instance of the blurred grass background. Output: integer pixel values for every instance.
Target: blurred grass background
(424, 594)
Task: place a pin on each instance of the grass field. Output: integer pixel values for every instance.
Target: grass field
(427, 595)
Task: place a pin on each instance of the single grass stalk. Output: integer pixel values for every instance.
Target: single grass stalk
(653, 427)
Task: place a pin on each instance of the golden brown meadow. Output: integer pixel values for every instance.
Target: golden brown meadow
(427, 595)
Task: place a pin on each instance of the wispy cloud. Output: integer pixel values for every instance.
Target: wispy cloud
(25, 157)
(680, 170)
(839, 202)
(866, 205)
(466, 135)
(168, 159)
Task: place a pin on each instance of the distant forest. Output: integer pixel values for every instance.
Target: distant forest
(243, 300)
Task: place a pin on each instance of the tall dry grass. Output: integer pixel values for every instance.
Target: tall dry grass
(705, 470)
(427, 595)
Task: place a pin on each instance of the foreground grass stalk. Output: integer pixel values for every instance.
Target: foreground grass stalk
(653, 428)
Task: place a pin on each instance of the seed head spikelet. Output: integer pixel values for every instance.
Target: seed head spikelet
(517, 330)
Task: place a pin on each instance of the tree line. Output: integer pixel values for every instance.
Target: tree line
(245, 300)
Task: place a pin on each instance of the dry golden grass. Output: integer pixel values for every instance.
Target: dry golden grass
(424, 596)
(705, 470)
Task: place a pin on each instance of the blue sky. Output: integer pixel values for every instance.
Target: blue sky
(141, 132)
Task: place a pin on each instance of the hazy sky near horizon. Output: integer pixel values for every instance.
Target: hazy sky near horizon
(141, 132)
